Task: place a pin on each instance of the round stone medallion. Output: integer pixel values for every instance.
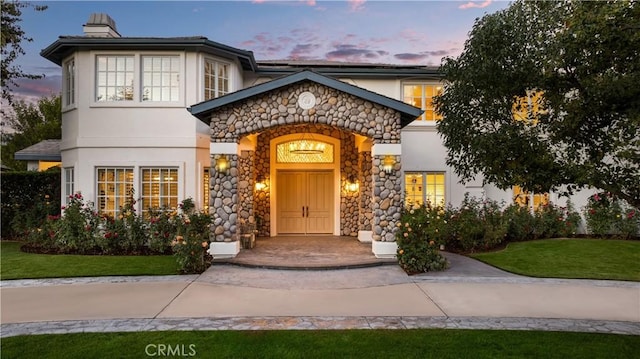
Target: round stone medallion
(306, 100)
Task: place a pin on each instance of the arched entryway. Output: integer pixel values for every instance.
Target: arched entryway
(244, 123)
(306, 173)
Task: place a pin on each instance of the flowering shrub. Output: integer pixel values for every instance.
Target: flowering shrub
(192, 239)
(521, 225)
(162, 229)
(482, 225)
(77, 230)
(136, 236)
(418, 242)
(476, 225)
(82, 230)
(607, 215)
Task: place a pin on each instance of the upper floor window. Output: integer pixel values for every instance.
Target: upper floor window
(69, 82)
(160, 78)
(114, 78)
(421, 96)
(216, 79)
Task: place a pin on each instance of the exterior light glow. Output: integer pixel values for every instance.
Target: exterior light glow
(222, 164)
(388, 162)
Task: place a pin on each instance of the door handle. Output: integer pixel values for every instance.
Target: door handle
(303, 211)
(307, 211)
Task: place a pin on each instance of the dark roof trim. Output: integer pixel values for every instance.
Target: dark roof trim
(47, 150)
(204, 110)
(357, 71)
(65, 45)
(36, 157)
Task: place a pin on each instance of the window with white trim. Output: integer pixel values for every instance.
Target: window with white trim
(421, 95)
(160, 78)
(205, 190)
(114, 78)
(532, 201)
(216, 79)
(114, 186)
(68, 183)
(159, 188)
(69, 82)
(423, 187)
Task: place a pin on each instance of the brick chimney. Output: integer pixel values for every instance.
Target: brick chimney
(100, 25)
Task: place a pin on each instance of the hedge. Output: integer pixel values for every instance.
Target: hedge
(27, 198)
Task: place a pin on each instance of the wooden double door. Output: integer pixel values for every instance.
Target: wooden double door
(305, 203)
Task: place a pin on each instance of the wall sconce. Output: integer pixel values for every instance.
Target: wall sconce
(260, 184)
(352, 184)
(222, 164)
(388, 162)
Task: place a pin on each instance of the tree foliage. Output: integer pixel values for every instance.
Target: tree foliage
(33, 123)
(545, 95)
(11, 39)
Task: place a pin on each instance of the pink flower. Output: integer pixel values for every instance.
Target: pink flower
(596, 197)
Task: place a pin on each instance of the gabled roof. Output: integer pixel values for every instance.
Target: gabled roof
(203, 110)
(65, 45)
(47, 150)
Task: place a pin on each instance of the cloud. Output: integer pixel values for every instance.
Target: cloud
(303, 51)
(353, 53)
(356, 5)
(410, 57)
(477, 5)
(413, 36)
(418, 57)
(37, 88)
(265, 44)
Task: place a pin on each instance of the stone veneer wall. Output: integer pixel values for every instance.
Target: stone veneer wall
(387, 200)
(224, 200)
(280, 107)
(340, 111)
(245, 186)
(365, 212)
(348, 167)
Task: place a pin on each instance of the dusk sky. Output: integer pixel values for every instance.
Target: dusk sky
(392, 32)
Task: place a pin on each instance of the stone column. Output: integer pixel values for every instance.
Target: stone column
(365, 212)
(246, 183)
(387, 199)
(224, 199)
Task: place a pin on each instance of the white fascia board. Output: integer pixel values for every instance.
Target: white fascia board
(382, 149)
(223, 148)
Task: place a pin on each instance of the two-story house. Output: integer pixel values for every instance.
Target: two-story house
(300, 147)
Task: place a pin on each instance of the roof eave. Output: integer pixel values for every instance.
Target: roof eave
(36, 157)
(57, 51)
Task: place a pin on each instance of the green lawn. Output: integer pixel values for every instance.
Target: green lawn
(15, 264)
(419, 343)
(569, 258)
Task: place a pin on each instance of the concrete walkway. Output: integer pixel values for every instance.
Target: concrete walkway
(470, 295)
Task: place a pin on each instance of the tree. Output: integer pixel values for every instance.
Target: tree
(11, 39)
(33, 123)
(545, 95)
